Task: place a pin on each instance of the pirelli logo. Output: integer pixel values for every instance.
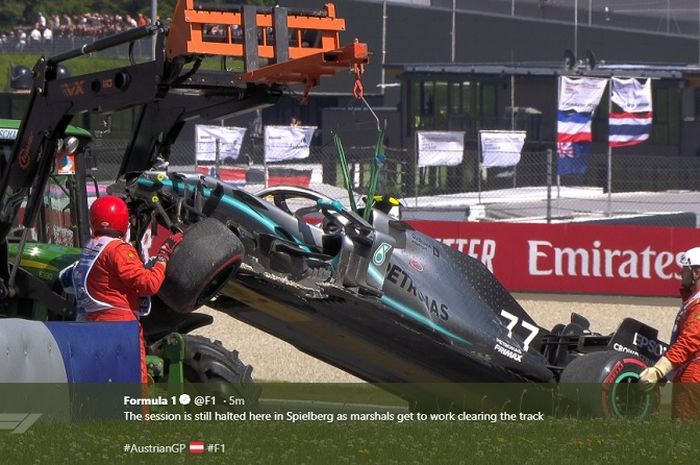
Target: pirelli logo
(17, 423)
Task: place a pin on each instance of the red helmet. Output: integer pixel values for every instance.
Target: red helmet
(109, 214)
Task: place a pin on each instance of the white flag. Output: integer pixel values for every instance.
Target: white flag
(580, 94)
(230, 141)
(287, 142)
(440, 148)
(631, 95)
(501, 148)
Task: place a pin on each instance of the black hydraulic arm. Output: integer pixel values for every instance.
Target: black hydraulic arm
(108, 42)
(52, 105)
(168, 95)
(166, 102)
(158, 123)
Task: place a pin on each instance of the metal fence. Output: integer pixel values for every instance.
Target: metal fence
(645, 189)
(141, 49)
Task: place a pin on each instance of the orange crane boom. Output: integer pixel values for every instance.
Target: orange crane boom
(301, 45)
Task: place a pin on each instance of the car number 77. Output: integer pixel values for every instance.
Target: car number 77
(513, 321)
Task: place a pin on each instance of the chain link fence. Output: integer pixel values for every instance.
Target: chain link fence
(660, 190)
(319, 171)
(141, 49)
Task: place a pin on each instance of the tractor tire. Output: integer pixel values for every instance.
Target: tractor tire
(207, 257)
(220, 372)
(605, 384)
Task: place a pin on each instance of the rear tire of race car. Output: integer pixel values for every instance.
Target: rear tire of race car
(605, 384)
(206, 258)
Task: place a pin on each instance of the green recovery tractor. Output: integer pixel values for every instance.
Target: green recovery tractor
(43, 210)
(57, 236)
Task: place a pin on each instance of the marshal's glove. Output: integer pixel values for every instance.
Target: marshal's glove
(652, 375)
(168, 247)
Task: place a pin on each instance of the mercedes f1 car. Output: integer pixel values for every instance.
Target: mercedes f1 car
(375, 298)
(360, 290)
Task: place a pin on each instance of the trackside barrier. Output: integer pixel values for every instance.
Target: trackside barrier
(572, 258)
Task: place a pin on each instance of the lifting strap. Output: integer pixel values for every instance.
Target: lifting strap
(344, 168)
(377, 163)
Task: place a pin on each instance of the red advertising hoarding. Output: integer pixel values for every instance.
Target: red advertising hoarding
(573, 258)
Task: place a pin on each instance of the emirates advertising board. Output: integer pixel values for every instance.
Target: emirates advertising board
(573, 258)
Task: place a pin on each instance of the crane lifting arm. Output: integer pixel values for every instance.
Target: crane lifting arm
(300, 46)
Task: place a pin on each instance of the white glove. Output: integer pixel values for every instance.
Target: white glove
(652, 375)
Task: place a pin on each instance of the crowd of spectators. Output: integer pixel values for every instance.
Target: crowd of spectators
(48, 28)
(54, 32)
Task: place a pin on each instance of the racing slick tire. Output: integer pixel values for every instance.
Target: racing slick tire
(222, 372)
(605, 384)
(209, 254)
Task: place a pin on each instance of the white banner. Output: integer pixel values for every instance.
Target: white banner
(440, 148)
(631, 95)
(230, 141)
(580, 94)
(501, 148)
(287, 142)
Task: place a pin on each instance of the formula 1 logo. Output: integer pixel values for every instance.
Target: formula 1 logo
(381, 253)
(18, 423)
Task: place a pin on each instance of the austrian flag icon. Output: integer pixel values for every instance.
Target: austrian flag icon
(196, 447)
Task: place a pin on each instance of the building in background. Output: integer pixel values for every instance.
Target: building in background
(469, 64)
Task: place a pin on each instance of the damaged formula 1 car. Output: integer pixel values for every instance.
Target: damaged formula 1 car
(377, 298)
(364, 292)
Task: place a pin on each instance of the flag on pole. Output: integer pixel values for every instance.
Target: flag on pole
(573, 158)
(627, 129)
(574, 127)
(578, 100)
(573, 142)
(631, 95)
(580, 94)
(632, 125)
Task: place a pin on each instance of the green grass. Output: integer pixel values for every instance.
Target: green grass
(251, 442)
(392, 436)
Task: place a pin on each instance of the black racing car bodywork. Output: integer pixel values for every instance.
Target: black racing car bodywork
(379, 300)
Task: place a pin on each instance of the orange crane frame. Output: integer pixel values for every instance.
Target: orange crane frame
(293, 59)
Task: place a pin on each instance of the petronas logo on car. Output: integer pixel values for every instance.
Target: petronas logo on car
(380, 254)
